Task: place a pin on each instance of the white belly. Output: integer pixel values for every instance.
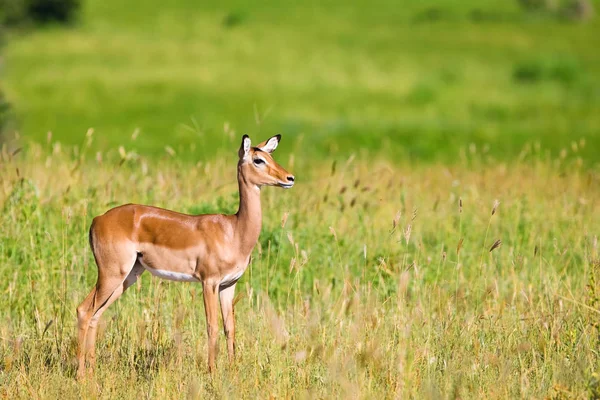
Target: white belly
(172, 276)
(169, 275)
(232, 277)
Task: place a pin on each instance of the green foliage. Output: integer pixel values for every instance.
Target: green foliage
(15, 12)
(234, 19)
(563, 70)
(53, 10)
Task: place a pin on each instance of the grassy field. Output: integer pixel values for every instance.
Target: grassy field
(370, 280)
(421, 134)
(416, 80)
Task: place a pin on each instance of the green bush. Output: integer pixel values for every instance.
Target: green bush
(528, 71)
(53, 10)
(16, 12)
(563, 70)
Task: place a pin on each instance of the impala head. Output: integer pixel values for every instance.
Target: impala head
(258, 167)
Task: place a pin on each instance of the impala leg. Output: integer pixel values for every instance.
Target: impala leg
(211, 309)
(106, 291)
(90, 343)
(84, 314)
(226, 296)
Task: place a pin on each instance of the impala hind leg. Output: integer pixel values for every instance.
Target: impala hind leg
(226, 295)
(90, 341)
(83, 322)
(106, 291)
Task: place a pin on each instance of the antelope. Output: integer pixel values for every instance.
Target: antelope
(212, 249)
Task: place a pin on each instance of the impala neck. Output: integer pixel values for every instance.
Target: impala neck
(249, 215)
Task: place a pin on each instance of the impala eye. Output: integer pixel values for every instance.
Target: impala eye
(259, 161)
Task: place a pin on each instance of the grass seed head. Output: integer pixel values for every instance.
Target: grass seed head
(396, 219)
(333, 233)
(170, 151)
(496, 244)
(284, 218)
(495, 207)
(407, 233)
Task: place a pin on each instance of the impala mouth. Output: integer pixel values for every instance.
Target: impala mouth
(285, 185)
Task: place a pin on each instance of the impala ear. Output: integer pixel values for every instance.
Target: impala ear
(270, 145)
(245, 147)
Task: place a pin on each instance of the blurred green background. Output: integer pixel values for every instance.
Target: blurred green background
(416, 80)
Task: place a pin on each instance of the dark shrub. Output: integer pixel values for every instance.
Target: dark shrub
(562, 69)
(233, 19)
(529, 71)
(53, 10)
(15, 12)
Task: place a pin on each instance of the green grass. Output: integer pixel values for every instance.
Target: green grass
(364, 291)
(410, 81)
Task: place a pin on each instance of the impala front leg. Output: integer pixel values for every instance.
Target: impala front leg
(211, 309)
(227, 312)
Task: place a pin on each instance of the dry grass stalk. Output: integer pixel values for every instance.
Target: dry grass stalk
(333, 233)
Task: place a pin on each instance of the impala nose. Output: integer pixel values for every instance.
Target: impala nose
(290, 178)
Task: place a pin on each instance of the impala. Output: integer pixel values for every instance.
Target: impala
(211, 249)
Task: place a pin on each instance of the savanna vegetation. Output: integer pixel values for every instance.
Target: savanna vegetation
(441, 240)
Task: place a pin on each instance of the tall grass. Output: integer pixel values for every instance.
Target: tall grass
(367, 282)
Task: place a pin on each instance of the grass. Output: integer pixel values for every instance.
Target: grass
(441, 241)
(358, 286)
(412, 81)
